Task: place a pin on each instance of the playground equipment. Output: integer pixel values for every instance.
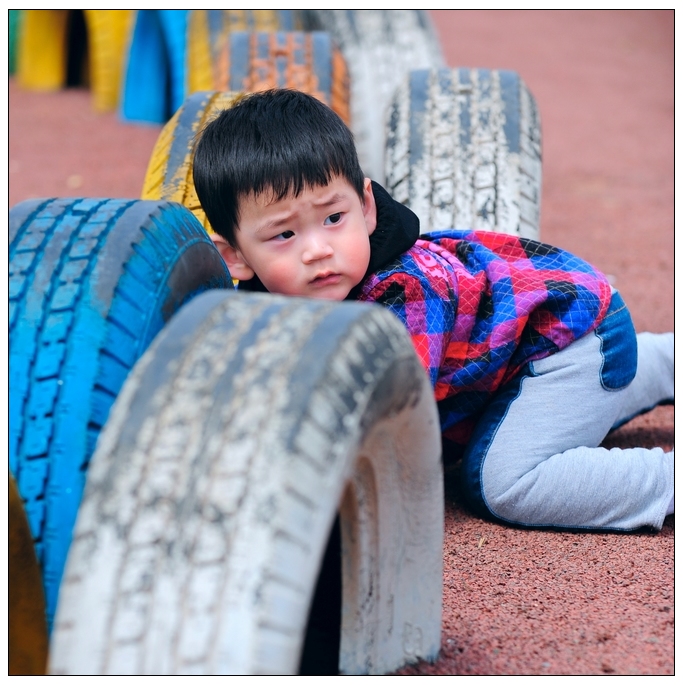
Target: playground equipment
(170, 49)
(92, 281)
(293, 443)
(169, 172)
(56, 48)
(380, 48)
(463, 150)
(266, 496)
(251, 421)
(13, 29)
(249, 62)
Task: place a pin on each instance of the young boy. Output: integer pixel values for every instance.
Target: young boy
(531, 354)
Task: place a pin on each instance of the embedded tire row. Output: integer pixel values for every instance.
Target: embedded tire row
(92, 281)
(262, 448)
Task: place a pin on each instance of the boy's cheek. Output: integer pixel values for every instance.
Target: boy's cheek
(278, 279)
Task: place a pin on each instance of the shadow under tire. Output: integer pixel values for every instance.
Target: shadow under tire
(251, 422)
(92, 281)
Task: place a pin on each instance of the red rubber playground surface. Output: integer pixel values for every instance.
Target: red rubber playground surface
(515, 602)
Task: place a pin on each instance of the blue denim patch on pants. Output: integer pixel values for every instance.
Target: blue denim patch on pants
(619, 346)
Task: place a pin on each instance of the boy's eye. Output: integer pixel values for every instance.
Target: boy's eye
(285, 235)
(333, 218)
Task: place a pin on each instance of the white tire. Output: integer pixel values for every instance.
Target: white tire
(463, 150)
(247, 426)
(380, 47)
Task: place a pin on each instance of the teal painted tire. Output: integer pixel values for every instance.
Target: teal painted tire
(92, 281)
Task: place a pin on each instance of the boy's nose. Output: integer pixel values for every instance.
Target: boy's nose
(316, 249)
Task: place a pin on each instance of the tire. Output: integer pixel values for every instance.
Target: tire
(27, 629)
(13, 30)
(249, 62)
(380, 47)
(249, 423)
(108, 37)
(309, 62)
(92, 281)
(49, 38)
(174, 47)
(209, 31)
(41, 50)
(155, 78)
(169, 172)
(464, 150)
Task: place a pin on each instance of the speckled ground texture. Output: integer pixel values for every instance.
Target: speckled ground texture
(516, 602)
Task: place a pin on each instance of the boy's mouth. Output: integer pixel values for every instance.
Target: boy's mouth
(324, 279)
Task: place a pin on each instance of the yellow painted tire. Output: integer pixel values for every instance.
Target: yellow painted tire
(44, 43)
(108, 34)
(41, 55)
(169, 173)
(26, 602)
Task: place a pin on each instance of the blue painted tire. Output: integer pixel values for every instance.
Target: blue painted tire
(155, 79)
(92, 281)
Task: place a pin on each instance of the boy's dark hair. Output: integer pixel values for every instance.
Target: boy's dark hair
(280, 141)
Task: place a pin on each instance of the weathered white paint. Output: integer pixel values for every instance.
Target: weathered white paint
(380, 47)
(481, 184)
(199, 540)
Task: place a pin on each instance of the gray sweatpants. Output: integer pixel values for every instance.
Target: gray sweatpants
(537, 462)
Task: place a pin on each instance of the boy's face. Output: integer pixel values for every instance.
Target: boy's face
(314, 245)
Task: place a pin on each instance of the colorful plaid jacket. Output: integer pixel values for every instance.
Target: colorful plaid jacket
(479, 306)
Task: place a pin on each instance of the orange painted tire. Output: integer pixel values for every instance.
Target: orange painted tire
(309, 62)
(250, 62)
(209, 30)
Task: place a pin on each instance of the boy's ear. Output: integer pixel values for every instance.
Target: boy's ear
(237, 266)
(369, 206)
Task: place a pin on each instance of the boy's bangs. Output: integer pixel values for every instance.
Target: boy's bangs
(288, 174)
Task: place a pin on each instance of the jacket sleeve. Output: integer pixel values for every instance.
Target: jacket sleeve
(427, 315)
